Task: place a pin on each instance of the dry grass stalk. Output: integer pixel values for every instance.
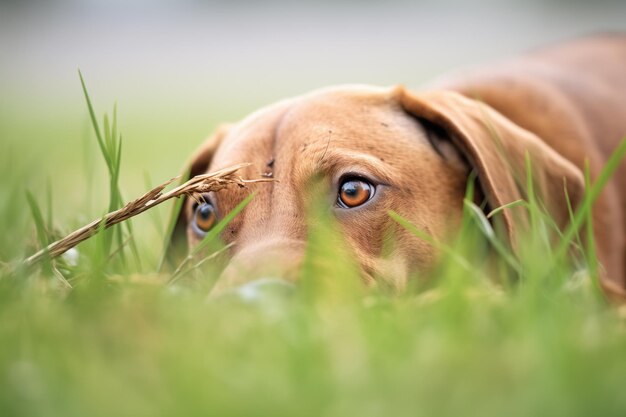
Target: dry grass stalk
(199, 184)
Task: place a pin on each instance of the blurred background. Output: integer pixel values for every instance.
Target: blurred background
(177, 68)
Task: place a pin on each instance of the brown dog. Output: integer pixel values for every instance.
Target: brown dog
(390, 149)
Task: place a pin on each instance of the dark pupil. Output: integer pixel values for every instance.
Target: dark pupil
(205, 211)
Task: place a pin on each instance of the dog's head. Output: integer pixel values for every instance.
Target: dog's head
(376, 150)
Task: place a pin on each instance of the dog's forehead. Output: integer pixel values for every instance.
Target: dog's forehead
(337, 108)
(350, 116)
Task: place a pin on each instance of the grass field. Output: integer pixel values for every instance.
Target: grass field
(536, 338)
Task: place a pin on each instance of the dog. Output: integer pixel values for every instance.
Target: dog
(383, 149)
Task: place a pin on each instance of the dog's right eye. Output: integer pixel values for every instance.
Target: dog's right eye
(204, 218)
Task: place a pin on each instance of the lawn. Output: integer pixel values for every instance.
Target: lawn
(105, 333)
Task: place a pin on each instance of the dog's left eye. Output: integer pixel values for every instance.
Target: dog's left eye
(204, 218)
(354, 192)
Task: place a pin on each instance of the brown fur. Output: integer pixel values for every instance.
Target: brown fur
(561, 105)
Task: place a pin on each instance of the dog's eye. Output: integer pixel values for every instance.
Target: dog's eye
(204, 218)
(354, 192)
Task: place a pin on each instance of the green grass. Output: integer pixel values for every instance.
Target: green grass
(525, 335)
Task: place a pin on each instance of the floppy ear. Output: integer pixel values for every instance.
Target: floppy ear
(176, 244)
(496, 148)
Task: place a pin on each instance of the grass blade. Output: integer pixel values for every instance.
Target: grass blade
(432, 241)
(591, 253)
(219, 227)
(485, 227)
(590, 197)
(211, 236)
(506, 206)
(40, 224)
(94, 120)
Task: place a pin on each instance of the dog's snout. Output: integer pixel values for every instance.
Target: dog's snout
(277, 260)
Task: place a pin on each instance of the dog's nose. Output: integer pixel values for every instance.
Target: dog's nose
(264, 263)
(260, 291)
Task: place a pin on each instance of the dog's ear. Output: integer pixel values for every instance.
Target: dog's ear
(496, 148)
(176, 242)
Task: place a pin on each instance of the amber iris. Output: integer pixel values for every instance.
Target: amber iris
(355, 192)
(205, 217)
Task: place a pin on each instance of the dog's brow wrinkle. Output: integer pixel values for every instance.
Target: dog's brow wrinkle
(319, 162)
(269, 173)
(270, 164)
(338, 159)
